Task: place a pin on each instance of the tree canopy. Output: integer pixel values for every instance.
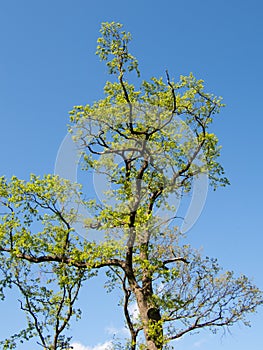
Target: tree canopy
(151, 141)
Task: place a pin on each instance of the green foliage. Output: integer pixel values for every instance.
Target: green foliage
(35, 228)
(114, 44)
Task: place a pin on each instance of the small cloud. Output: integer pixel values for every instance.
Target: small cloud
(111, 330)
(134, 311)
(78, 346)
(200, 343)
(117, 331)
(105, 346)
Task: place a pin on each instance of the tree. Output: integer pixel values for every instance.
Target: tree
(150, 143)
(34, 240)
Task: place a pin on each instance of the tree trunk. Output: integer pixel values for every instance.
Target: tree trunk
(149, 314)
(151, 318)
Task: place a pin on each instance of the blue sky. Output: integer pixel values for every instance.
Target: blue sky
(48, 65)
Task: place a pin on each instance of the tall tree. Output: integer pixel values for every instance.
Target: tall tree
(151, 144)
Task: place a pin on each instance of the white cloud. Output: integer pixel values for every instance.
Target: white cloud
(199, 343)
(111, 330)
(78, 346)
(134, 311)
(105, 346)
(123, 331)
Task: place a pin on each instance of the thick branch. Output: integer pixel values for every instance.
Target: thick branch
(66, 260)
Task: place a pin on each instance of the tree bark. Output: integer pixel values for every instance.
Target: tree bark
(150, 317)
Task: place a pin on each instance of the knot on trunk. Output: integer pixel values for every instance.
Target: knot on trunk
(154, 314)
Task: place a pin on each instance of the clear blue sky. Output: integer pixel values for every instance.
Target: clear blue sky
(47, 65)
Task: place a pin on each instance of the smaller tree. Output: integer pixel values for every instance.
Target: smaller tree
(34, 222)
